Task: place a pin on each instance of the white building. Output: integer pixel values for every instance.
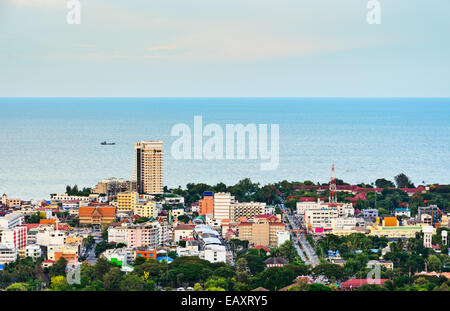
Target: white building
(173, 200)
(269, 210)
(117, 254)
(118, 234)
(66, 197)
(182, 231)
(427, 236)
(191, 249)
(222, 203)
(8, 254)
(50, 237)
(214, 253)
(33, 251)
(302, 206)
(11, 220)
(320, 219)
(15, 236)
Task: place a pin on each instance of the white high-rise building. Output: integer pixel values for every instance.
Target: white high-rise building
(222, 204)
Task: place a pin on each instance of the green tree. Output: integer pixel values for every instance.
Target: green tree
(59, 283)
(288, 251)
(434, 263)
(58, 268)
(17, 287)
(132, 282)
(403, 181)
(384, 183)
(112, 280)
(198, 287)
(331, 271)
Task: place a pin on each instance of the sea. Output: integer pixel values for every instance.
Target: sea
(48, 143)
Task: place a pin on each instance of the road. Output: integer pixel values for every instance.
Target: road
(306, 253)
(90, 253)
(294, 239)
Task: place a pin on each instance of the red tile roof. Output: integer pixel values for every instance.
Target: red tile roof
(266, 216)
(32, 226)
(261, 247)
(184, 227)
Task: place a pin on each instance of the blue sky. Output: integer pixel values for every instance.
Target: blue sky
(238, 48)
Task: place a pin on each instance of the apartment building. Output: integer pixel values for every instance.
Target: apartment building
(126, 202)
(226, 207)
(50, 237)
(246, 209)
(16, 236)
(206, 205)
(33, 251)
(118, 234)
(319, 219)
(11, 220)
(149, 234)
(262, 231)
(222, 204)
(148, 170)
(147, 209)
(145, 235)
(8, 254)
(113, 186)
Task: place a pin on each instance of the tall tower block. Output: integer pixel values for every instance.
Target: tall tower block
(148, 169)
(332, 199)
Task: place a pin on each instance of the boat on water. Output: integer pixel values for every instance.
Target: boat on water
(106, 143)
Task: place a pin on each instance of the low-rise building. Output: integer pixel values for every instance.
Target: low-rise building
(97, 215)
(275, 262)
(148, 209)
(214, 253)
(8, 254)
(70, 252)
(183, 231)
(33, 251)
(118, 256)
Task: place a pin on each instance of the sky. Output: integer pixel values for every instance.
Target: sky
(232, 48)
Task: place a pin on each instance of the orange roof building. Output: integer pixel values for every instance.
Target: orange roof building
(97, 214)
(390, 222)
(71, 258)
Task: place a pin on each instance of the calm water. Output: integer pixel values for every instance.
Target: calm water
(48, 143)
